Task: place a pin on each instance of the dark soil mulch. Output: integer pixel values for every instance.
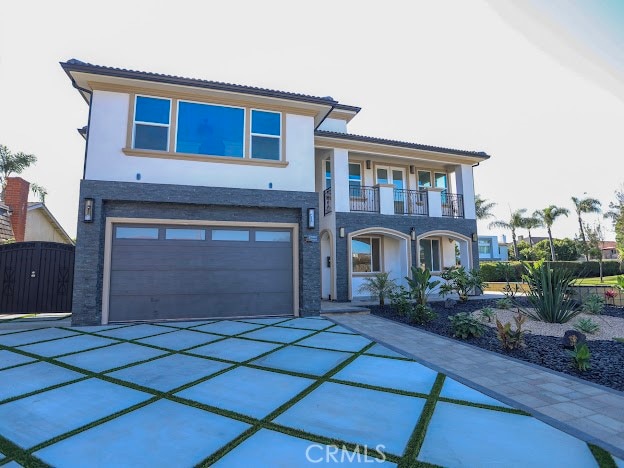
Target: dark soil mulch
(607, 360)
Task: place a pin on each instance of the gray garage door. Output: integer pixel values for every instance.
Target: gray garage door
(173, 272)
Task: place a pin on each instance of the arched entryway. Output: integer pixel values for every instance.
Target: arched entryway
(441, 249)
(377, 250)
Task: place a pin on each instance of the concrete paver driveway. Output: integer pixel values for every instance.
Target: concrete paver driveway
(257, 392)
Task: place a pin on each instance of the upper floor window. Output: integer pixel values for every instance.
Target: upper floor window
(424, 179)
(266, 131)
(355, 175)
(327, 173)
(152, 118)
(211, 130)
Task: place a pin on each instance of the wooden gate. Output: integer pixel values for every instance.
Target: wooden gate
(36, 277)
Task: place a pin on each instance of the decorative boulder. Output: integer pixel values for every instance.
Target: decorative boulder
(567, 342)
(449, 303)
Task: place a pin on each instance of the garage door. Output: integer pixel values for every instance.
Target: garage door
(174, 272)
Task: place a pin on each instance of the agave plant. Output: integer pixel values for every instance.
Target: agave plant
(379, 285)
(549, 293)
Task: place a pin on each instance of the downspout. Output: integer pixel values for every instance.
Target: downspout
(90, 93)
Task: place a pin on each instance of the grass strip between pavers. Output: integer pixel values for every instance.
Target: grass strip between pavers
(418, 435)
(604, 458)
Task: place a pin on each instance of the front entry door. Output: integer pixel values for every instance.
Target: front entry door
(396, 177)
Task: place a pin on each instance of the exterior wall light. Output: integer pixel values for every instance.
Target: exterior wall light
(368, 164)
(88, 210)
(341, 233)
(475, 237)
(311, 218)
(413, 233)
(412, 169)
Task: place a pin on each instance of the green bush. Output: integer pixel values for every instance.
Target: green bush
(421, 314)
(487, 314)
(465, 326)
(462, 282)
(504, 303)
(593, 304)
(379, 285)
(580, 356)
(492, 272)
(549, 294)
(400, 300)
(587, 325)
(511, 339)
(421, 284)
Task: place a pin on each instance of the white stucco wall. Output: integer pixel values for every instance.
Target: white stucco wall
(106, 161)
(38, 228)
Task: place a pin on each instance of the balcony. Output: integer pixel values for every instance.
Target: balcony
(364, 199)
(452, 205)
(327, 201)
(411, 202)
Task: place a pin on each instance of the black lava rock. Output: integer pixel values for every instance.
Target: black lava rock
(449, 303)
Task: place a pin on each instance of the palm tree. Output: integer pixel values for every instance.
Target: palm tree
(515, 222)
(531, 222)
(548, 216)
(483, 208)
(12, 163)
(585, 205)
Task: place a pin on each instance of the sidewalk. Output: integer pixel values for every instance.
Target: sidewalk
(590, 412)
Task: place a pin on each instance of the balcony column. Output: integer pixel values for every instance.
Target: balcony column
(386, 198)
(465, 186)
(434, 198)
(340, 180)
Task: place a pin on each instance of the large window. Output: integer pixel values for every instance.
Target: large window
(210, 130)
(485, 247)
(424, 179)
(151, 123)
(440, 180)
(430, 254)
(355, 176)
(266, 130)
(366, 254)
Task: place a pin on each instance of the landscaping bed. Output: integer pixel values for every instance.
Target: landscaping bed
(607, 360)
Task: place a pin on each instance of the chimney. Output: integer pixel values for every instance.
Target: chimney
(16, 198)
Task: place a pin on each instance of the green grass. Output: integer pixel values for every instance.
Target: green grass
(607, 281)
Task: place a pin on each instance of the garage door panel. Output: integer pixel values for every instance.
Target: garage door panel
(189, 282)
(127, 308)
(192, 257)
(160, 279)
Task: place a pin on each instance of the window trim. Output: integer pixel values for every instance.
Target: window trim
(153, 124)
(129, 149)
(381, 256)
(278, 138)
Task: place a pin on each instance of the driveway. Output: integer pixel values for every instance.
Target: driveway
(256, 392)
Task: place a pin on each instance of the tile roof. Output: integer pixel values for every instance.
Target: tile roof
(6, 230)
(400, 144)
(75, 65)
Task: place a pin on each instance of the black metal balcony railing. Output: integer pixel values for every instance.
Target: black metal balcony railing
(364, 198)
(411, 202)
(452, 205)
(327, 198)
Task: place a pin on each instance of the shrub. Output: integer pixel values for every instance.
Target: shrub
(587, 325)
(580, 356)
(549, 294)
(504, 303)
(421, 285)
(491, 272)
(421, 314)
(465, 326)
(462, 282)
(400, 300)
(379, 285)
(511, 339)
(487, 313)
(593, 304)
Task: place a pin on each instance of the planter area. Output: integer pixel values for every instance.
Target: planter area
(607, 356)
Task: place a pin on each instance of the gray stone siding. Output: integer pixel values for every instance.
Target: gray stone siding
(138, 200)
(356, 221)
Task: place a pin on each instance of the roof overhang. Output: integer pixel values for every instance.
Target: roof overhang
(87, 78)
(403, 150)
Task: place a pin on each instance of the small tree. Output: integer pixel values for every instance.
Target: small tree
(548, 216)
(593, 244)
(379, 285)
(11, 163)
(39, 191)
(585, 205)
(515, 222)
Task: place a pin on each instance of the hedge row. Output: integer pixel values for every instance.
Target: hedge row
(497, 271)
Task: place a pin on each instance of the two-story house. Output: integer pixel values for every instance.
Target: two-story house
(204, 199)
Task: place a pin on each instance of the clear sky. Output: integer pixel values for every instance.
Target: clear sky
(538, 85)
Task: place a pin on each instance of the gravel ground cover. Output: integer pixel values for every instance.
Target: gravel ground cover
(607, 361)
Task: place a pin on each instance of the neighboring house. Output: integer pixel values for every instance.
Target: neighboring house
(490, 249)
(609, 250)
(536, 239)
(24, 221)
(201, 199)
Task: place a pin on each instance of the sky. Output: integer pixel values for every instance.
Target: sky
(537, 85)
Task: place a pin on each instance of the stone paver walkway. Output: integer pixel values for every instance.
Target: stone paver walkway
(591, 412)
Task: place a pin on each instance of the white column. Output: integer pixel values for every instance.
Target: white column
(386, 198)
(465, 186)
(434, 195)
(340, 180)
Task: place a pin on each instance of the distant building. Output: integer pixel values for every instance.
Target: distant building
(491, 249)
(609, 250)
